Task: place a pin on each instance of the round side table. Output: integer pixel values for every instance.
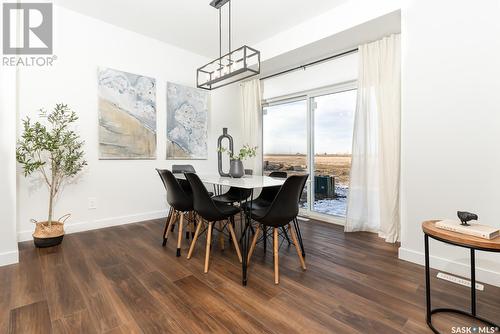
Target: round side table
(461, 240)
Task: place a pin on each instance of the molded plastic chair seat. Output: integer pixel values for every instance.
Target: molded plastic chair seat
(226, 210)
(258, 203)
(233, 195)
(259, 213)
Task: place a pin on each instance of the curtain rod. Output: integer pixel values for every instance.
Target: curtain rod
(310, 64)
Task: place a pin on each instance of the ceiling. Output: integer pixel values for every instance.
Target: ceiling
(193, 24)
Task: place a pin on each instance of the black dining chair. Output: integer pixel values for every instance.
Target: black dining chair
(283, 210)
(180, 201)
(181, 169)
(209, 213)
(264, 200)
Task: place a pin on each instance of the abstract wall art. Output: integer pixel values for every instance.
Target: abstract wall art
(127, 115)
(187, 122)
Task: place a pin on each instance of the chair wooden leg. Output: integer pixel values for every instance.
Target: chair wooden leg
(235, 241)
(254, 242)
(170, 225)
(265, 239)
(297, 246)
(172, 229)
(299, 235)
(231, 221)
(276, 261)
(189, 228)
(195, 238)
(221, 239)
(179, 235)
(207, 251)
(192, 219)
(167, 223)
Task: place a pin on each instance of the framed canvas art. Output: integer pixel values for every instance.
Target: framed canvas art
(187, 122)
(127, 115)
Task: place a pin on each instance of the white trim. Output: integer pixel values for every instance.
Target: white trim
(7, 258)
(456, 268)
(323, 217)
(100, 223)
(302, 95)
(283, 100)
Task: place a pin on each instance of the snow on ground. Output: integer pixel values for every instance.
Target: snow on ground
(336, 206)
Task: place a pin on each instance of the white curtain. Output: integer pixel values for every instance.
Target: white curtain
(373, 203)
(251, 97)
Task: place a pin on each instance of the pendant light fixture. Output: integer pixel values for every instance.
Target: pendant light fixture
(236, 65)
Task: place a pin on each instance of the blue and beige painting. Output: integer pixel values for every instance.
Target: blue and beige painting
(187, 122)
(127, 115)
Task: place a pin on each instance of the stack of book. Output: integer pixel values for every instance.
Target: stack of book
(476, 230)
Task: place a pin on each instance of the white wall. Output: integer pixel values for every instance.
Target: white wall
(126, 191)
(450, 124)
(8, 200)
(8, 242)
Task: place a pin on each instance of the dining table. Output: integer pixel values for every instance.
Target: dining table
(250, 182)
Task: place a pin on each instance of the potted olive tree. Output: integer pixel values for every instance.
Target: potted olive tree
(53, 151)
(236, 168)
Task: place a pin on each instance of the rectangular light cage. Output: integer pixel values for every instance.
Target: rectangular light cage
(234, 66)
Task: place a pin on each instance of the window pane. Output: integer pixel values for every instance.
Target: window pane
(333, 131)
(285, 140)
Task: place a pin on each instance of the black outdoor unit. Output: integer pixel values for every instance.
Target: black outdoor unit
(325, 186)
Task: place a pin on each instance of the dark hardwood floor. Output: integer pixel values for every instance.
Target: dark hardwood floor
(120, 280)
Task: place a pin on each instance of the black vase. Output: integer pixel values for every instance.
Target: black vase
(236, 168)
(224, 135)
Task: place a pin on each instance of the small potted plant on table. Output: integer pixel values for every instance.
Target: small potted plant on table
(54, 151)
(236, 168)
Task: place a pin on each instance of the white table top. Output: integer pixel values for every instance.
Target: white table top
(246, 182)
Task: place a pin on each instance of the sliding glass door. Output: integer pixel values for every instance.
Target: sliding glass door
(312, 133)
(285, 139)
(333, 122)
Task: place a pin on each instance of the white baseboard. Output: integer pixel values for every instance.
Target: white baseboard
(457, 268)
(7, 258)
(99, 223)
